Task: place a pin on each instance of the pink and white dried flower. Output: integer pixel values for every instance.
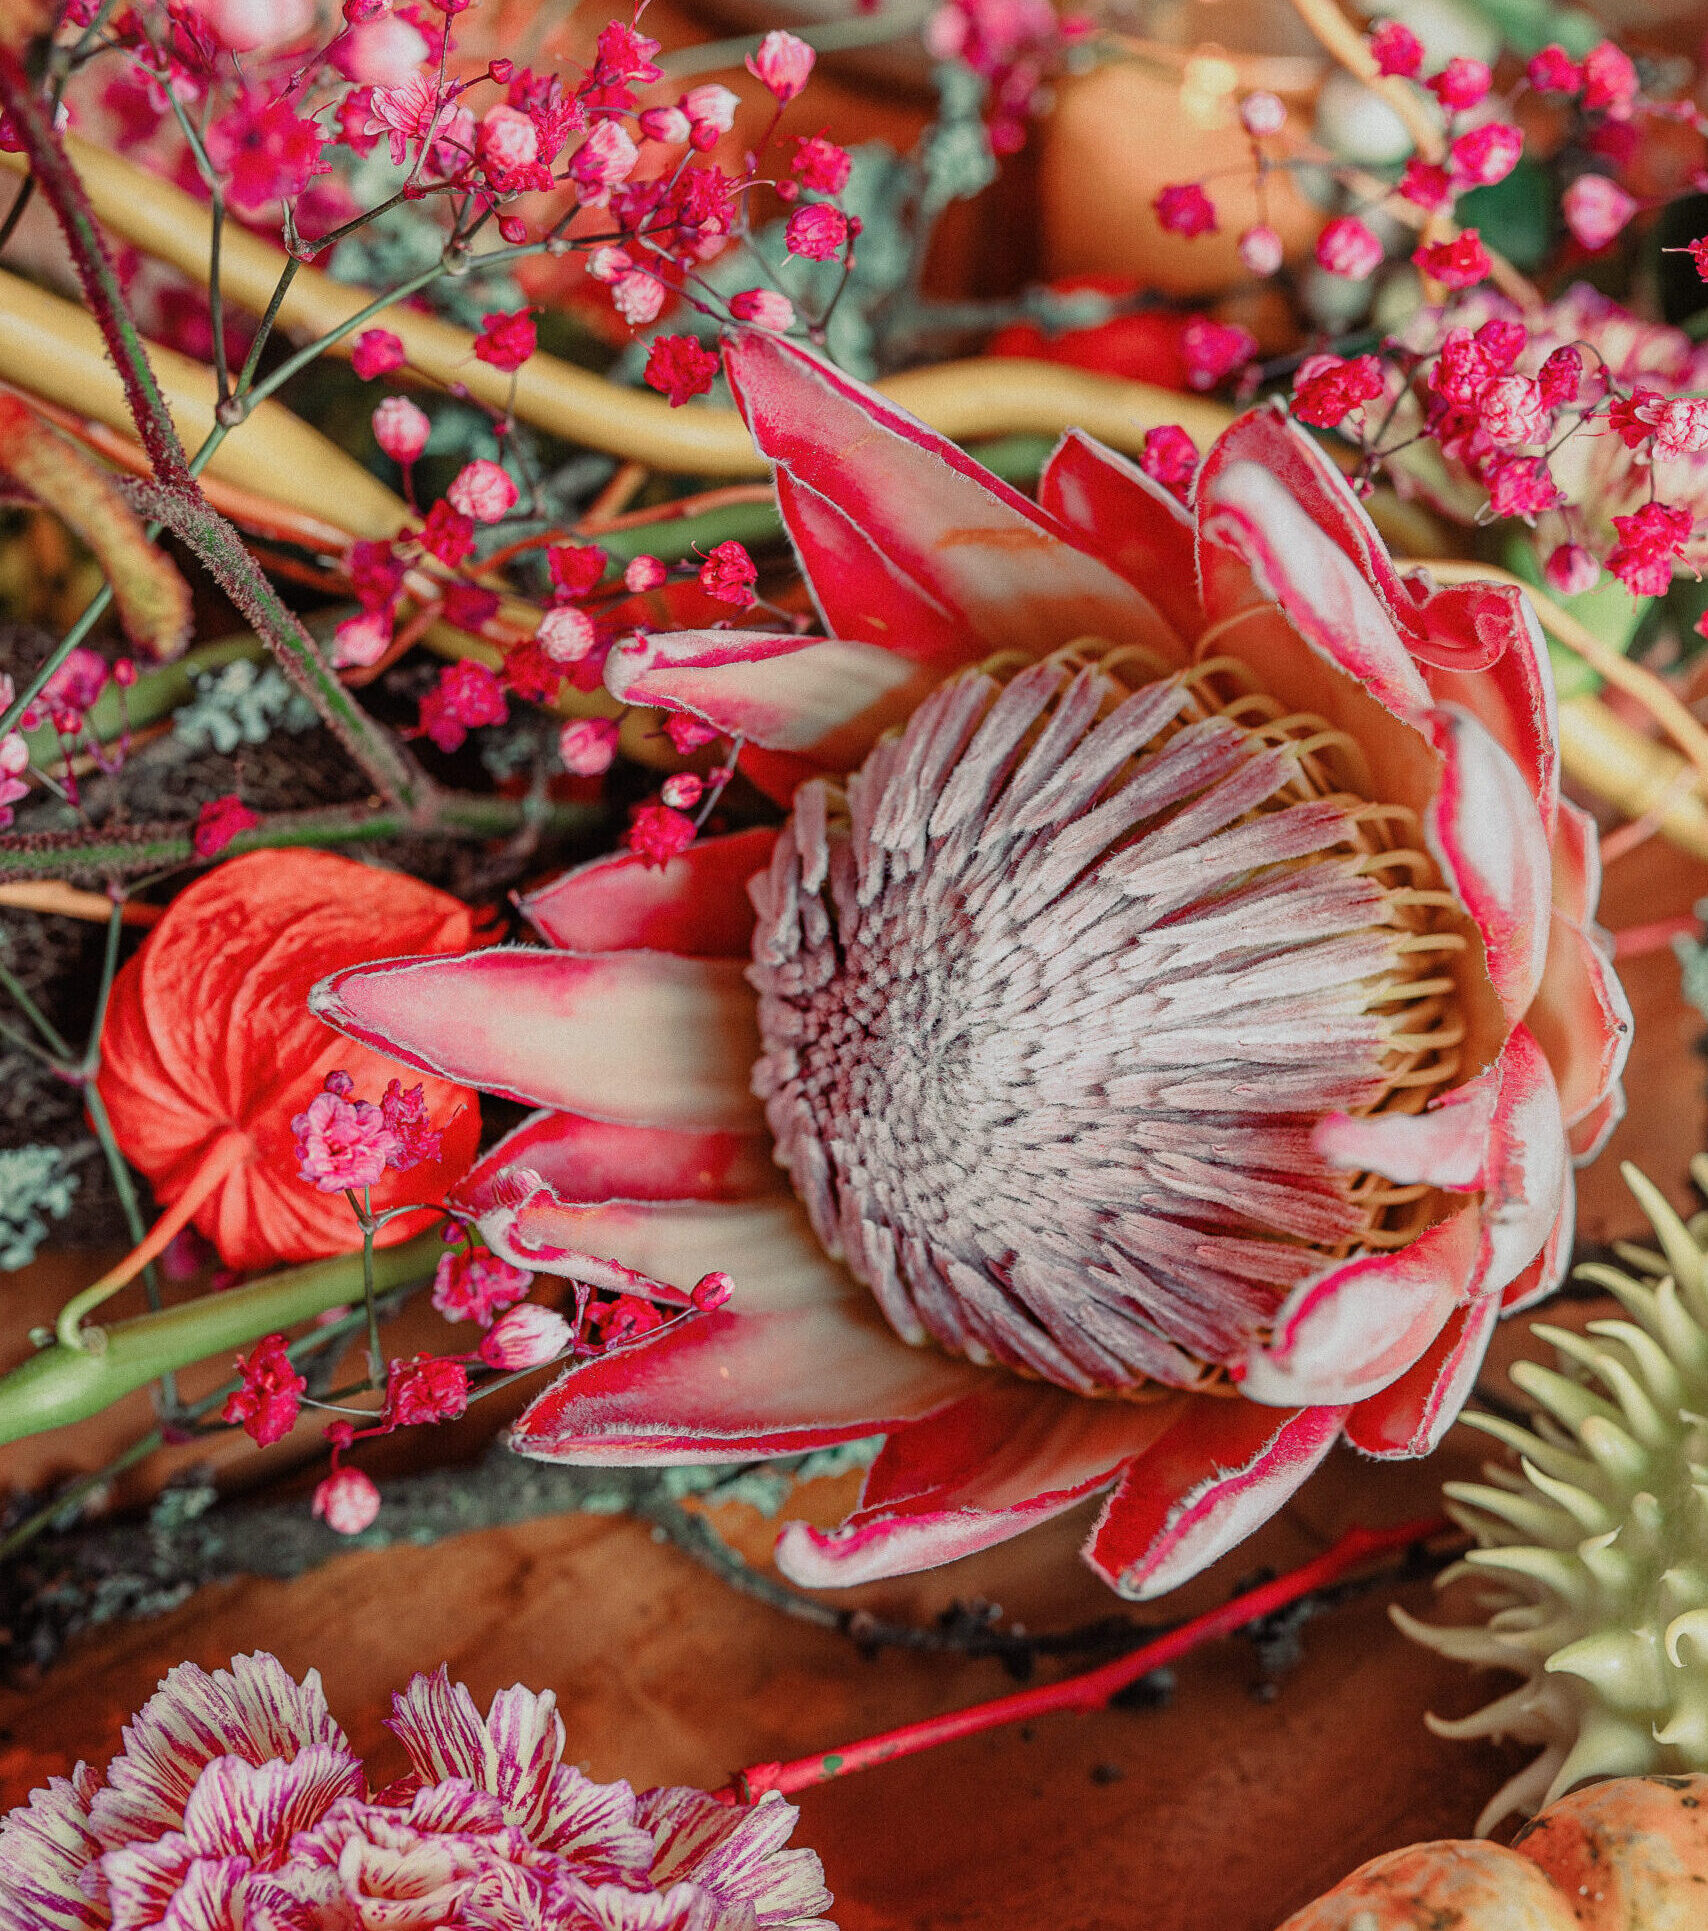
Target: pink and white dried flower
(638, 297)
(1246, 1011)
(482, 489)
(527, 1337)
(765, 308)
(566, 634)
(401, 428)
(604, 161)
(237, 1804)
(586, 746)
(782, 61)
(1596, 210)
(347, 1501)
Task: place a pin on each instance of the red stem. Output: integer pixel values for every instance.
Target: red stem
(1633, 941)
(1087, 1692)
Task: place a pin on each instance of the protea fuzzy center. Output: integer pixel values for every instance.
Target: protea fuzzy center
(1054, 995)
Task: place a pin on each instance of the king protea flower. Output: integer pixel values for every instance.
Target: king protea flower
(1173, 998)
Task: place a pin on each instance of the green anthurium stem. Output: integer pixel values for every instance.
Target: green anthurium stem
(59, 1385)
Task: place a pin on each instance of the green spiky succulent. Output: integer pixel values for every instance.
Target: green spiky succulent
(1600, 1547)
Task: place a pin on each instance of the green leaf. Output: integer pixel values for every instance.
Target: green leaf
(1515, 216)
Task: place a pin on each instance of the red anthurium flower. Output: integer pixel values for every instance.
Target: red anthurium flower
(209, 1050)
(1174, 998)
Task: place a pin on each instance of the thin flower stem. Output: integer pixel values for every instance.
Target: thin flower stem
(832, 36)
(363, 1209)
(1087, 1692)
(136, 851)
(14, 214)
(19, 993)
(307, 354)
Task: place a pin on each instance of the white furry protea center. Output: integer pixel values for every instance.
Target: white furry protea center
(1601, 1546)
(1053, 996)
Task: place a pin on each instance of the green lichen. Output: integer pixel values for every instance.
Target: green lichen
(36, 1186)
(1599, 1549)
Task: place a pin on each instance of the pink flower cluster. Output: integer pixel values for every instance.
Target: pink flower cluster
(1016, 47)
(238, 1804)
(343, 1143)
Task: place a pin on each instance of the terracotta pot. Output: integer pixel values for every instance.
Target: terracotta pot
(1131, 128)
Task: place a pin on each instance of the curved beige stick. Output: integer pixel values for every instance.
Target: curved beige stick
(51, 347)
(985, 397)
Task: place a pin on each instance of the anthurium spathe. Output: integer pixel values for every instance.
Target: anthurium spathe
(209, 1053)
(1174, 998)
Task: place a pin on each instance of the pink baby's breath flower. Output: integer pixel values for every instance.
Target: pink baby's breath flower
(682, 791)
(566, 634)
(527, 1337)
(1488, 154)
(821, 165)
(1346, 247)
(1396, 48)
(1426, 186)
(1260, 251)
(658, 834)
(1459, 263)
(1513, 410)
(678, 367)
(644, 573)
(1570, 568)
(1609, 80)
(1183, 208)
(362, 640)
(270, 1399)
(587, 745)
(816, 232)
(1170, 457)
(506, 341)
(265, 150)
(1561, 376)
(1262, 114)
(712, 1291)
(729, 574)
(219, 822)
(782, 62)
(1521, 486)
(764, 307)
(1463, 83)
(1649, 539)
(377, 352)
(447, 534)
(347, 1501)
(477, 1286)
(401, 429)
(341, 1143)
(1553, 71)
(638, 297)
(508, 139)
(1213, 350)
(414, 1137)
(603, 161)
(1327, 389)
(466, 696)
(482, 490)
(1596, 210)
(711, 105)
(426, 1389)
(667, 124)
(688, 734)
(406, 113)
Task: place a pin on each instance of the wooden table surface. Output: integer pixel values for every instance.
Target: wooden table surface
(1223, 1811)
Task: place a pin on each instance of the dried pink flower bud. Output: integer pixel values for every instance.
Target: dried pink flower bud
(587, 745)
(483, 490)
(638, 297)
(1596, 209)
(1262, 113)
(527, 1337)
(347, 1501)
(668, 124)
(1346, 247)
(566, 634)
(763, 307)
(644, 573)
(711, 1291)
(782, 62)
(1260, 250)
(376, 352)
(361, 640)
(401, 429)
(682, 791)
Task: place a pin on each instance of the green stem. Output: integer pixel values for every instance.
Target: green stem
(60, 1385)
(141, 850)
(831, 36)
(305, 355)
(11, 983)
(364, 1212)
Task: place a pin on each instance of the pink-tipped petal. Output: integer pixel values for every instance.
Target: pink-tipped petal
(1582, 1020)
(1114, 510)
(995, 1463)
(641, 1037)
(1483, 829)
(1512, 695)
(1500, 1132)
(1546, 1272)
(787, 693)
(583, 1160)
(1361, 1324)
(718, 1387)
(1220, 1472)
(661, 1248)
(1262, 537)
(968, 543)
(1577, 864)
(696, 904)
(1409, 1418)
